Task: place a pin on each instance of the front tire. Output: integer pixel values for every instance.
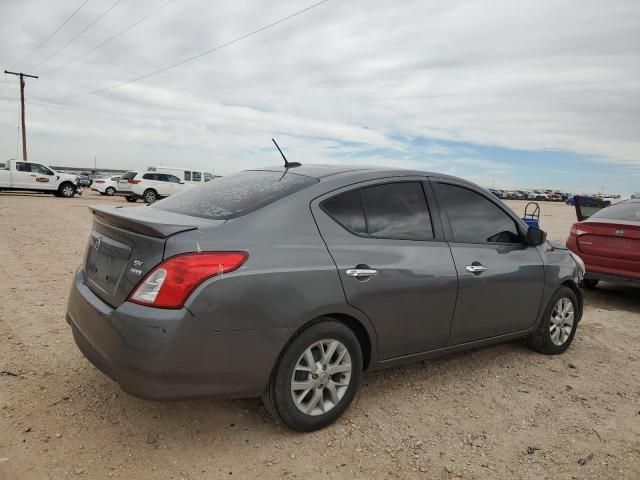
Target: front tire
(67, 190)
(316, 378)
(558, 325)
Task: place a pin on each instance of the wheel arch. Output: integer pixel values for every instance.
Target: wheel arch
(578, 293)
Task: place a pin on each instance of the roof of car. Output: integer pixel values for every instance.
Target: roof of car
(322, 171)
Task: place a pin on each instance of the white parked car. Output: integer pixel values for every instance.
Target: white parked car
(187, 175)
(149, 186)
(106, 186)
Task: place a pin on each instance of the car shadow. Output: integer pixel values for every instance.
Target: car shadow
(611, 296)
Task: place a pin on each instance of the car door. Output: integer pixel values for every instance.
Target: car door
(43, 177)
(501, 279)
(22, 177)
(392, 260)
(174, 185)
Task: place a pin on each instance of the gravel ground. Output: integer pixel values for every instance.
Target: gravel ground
(499, 412)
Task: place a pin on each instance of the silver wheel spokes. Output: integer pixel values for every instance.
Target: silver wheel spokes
(561, 323)
(321, 377)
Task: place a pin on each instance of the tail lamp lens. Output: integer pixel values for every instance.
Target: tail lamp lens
(135, 182)
(169, 284)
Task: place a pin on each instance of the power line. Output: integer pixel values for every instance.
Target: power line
(153, 12)
(49, 37)
(79, 33)
(194, 57)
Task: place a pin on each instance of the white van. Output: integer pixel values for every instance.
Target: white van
(186, 175)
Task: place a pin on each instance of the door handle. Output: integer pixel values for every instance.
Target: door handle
(361, 272)
(33, 175)
(475, 268)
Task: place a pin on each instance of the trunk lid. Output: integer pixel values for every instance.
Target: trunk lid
(619, 239)
(126, 243)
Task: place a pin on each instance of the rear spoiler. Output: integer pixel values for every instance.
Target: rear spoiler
(148, 221)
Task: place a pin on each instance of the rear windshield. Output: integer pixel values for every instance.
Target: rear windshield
(620, 211)
(235, 195)
(129, 175)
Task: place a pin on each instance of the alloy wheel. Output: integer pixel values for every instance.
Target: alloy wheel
(321, 377)
(561, 322)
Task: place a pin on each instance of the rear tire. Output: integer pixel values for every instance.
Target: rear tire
(131, 199)
(67, 190)
(589, 283)
(332, 374)
(558, 325)
(110, 191)
(150, 196)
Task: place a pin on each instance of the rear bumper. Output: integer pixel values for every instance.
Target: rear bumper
(164, 354)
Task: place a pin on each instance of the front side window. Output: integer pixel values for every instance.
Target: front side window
(196, 176)
(474, 218)
(42, 170)
(208, 177)
(172, 179)
(392, 210)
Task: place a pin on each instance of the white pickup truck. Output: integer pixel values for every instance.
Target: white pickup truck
(38, 178)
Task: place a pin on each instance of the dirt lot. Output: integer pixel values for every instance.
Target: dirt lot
(500, 412)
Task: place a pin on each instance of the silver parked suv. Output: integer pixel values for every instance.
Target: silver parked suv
(289, 283)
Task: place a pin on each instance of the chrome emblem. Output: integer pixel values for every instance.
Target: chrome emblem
(620, 233)
(96, 243)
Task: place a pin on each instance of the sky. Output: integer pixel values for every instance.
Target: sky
(510, 94)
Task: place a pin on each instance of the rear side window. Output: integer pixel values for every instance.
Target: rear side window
(474, 218)
(346, 209)
(187, 176)
(392, 210)
(129, 176)
(620, 211)
(196, 177)
(150, 176)
(235, 195)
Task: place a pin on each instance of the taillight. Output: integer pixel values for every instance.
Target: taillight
(170, 283)
(98, 181)
(578, 229)
(135, 182)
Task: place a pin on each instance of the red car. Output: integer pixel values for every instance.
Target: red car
(609, 243)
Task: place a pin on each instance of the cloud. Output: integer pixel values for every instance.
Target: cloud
(355, 80)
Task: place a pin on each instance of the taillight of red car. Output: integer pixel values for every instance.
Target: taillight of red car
(578, 229)
(170, 283)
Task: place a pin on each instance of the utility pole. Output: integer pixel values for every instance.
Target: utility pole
(24, 131)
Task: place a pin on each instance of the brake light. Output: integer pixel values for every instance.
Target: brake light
(170, 283)
(98, 181)
(578, 229)
(135, 182)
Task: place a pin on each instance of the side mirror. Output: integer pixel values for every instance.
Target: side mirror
(535, 236)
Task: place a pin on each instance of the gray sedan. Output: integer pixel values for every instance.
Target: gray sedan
(290, 283)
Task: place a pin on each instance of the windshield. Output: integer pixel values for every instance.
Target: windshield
(620, 211)
(235, 195)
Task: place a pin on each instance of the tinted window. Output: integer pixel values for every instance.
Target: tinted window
(171, 178)
(148, 176)
(129, 176)
(187, 176)
(42, 170)
(23, 167)
(235, 195)
(620, 211)
(196, 177)
(475, 219)
(392, 210)
(346, 209)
